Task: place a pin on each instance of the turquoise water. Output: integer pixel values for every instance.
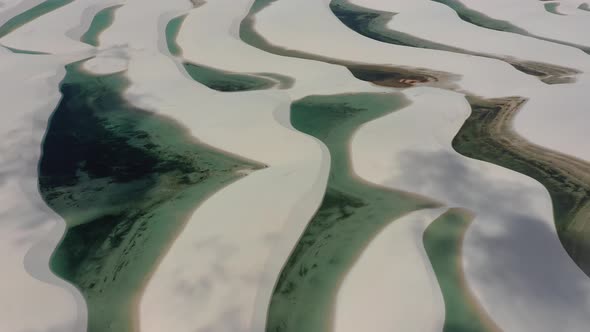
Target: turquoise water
(443, 244)
(353, 211)
(125, 181)
(551, 7)
(172, 29)
(226, 81)
(101, 21)
(31, 14)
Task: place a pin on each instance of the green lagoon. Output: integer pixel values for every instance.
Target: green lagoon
(125, 181)
(101, 21)
(443, 244)
(31, 14)
(353, 211)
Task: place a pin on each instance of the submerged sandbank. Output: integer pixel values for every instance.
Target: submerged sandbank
(125, 181)
(352, 213)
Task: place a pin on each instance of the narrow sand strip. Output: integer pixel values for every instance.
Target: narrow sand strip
(323, 34)
(33, 298)
(392, 285)
(59, 31)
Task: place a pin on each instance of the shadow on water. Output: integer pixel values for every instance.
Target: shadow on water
(125, 181)
(521, 260)
(352, 213)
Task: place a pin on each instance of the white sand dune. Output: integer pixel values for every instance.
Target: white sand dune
(204, 39)
(437, 22)
(33, 299)
(392, 286)
(513, 260)
(558, 109)
(58, 31)
(219, 274)
(531, 16)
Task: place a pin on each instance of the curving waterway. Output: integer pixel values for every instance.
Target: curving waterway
(353, 211)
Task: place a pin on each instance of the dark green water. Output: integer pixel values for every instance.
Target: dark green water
(31, 14)
(352, 213)
(16, 50)
(226, 81)
(551, 7)
(442, 242)
(101, 21)
(125, 181)
(172, 29)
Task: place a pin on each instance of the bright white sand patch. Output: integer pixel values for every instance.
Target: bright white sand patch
(392, 286)
(33, 299)
(513, 260)
(107, 62)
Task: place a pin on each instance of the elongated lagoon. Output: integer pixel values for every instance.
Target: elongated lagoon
(443, 243)
(31, 14)
(101, 21)
(125, 181)
(218, 79)
(352, 213)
